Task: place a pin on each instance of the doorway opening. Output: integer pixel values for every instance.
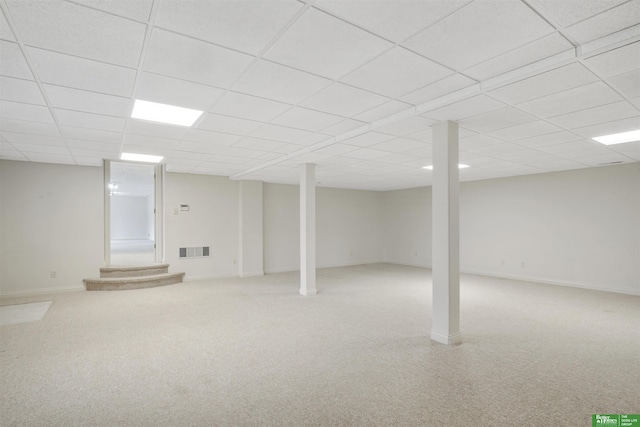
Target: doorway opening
(133, 227)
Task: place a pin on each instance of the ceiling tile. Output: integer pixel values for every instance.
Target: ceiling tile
(27, 112)
(566, 147)
(89, 120)
(343, 100)
(273, 81)
(138, 10)
(576, 99)
(80, 31)
(197, 149)
(368, 139)
(531, 52)
(605, 160)
(91, 102)
(382, 111)
(600, 114)
(549, 139)
(399, 145)
(189, 59)
(526, 130)
(5, 31)
(303, 118)
(36, 128)
(43, 149)
(279, 133)
(219, 123)
(495, 149)
(477, 141)
(7, 154)
(466, 108)
(49, 158)
(547, 83)
(459, 42)
(396, 72)
(395, 20)
(560, 165)
(79, 144)
(313, 139)
(321, 44)
(239, 152)
(19, 90)
(336, 149)
(161, 145)
(91, 134)
(616, 61)
(249, 107)
(497, 119)
(406, 126)
(142, 127)
(568, 12)
(258, 144)
(615, 19)
(440, 88)
(366, 154)
(342, 127)
(207, 137)
(26, 138)
(623, 125)
(12, 62)
(627, 84)
(168, 90)
(247, 25)
(79, 73)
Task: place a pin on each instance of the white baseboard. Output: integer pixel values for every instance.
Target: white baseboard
(553, 282)
(188, 278)
(252, 274)
(532, 279)
(41, 291)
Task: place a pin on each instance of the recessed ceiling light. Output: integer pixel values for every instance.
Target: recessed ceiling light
(141, 157)
(163, 113)
(619, 138)
(460, 166)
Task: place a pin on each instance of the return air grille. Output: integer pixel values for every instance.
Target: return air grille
(194, 252)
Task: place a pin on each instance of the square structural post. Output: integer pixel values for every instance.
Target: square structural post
(308, 229)
(446, 235)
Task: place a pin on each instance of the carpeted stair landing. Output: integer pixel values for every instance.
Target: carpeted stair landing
(120, 278)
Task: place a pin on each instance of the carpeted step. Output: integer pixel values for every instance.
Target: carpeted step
(137, 282)
(124, 271)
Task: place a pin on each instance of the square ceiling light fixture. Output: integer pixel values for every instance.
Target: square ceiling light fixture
(141, 157)
(163, 113)
(460, 166)
(619, 138)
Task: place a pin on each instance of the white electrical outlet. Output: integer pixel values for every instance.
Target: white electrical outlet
(54, 274)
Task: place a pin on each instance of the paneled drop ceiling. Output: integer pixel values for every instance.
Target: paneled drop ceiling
(352, 86)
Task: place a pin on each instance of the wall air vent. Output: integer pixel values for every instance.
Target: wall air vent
(194, 252)
(610, 163)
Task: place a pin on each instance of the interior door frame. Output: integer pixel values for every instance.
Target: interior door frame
(158, 209)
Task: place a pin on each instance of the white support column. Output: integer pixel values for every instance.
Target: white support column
(250, 234)
(308, 229)
(446, 235)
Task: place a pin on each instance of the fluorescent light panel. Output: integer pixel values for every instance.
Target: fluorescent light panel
(460, 166)
(141, 157)
(163, 113)
(619, 138)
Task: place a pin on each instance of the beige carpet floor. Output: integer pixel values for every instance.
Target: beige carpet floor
(252, 352)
